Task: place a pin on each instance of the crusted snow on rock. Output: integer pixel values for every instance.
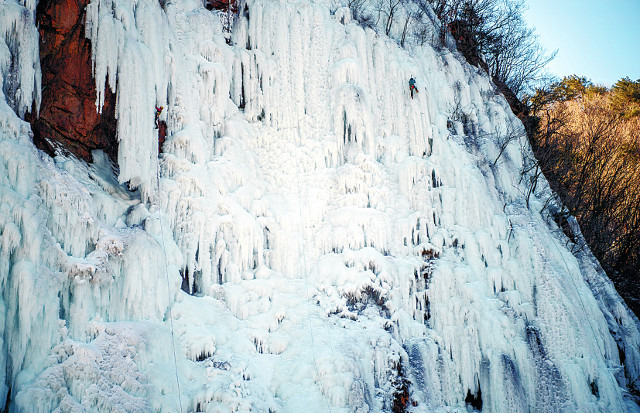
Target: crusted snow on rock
(316, 241)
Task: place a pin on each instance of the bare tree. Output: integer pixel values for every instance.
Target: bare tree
(414, 15)
(496, 30)
(389, 8)
(360, 13)
(503, 139)
(590, 154)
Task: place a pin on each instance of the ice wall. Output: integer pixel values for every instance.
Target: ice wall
(19, 56)
(338, 244)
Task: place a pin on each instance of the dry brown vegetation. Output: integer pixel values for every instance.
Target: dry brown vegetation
(588, 146)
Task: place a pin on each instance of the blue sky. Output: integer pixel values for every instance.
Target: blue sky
(599, 39)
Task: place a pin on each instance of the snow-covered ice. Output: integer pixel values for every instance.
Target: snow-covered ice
(310, 239)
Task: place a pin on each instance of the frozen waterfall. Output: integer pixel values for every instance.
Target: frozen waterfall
(311, 239)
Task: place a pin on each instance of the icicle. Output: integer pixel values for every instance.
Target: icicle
(19, 57)
(337, 242)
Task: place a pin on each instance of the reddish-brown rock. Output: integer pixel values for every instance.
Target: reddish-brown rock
(68, 112)
(162, 134)
(222, 5)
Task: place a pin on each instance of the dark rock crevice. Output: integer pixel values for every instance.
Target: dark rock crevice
(68, 115)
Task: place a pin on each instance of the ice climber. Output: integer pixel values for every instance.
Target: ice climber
(158, 112)
(412, 86)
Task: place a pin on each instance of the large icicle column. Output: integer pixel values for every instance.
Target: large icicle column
(317, 240)
(80, 257)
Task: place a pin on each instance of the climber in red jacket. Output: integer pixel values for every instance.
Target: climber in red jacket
(158, 112)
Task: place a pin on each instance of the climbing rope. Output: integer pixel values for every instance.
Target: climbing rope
(304, 263)
(166, 273)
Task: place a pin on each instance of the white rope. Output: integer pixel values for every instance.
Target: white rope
(166, 272)
(304, 263)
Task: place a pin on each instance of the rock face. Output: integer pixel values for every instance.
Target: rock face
(467, 44)
(222, 5)
(68, 113)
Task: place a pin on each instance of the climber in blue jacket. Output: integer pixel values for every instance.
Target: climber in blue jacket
(412, 86)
